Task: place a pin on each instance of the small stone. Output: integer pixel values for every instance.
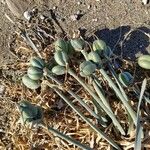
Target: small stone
(34, 11)
(74, 17)
(27, 15)
(55, 7)
(89, 6)
(78, 12)
(95, 20)
(42, 17)
(79, 2)
(145, 2)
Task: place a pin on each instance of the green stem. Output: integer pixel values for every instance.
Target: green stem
(131, 123)
(145, 96)
(85, 54)
(109, 140)
(87, 107)
(76, 97)
(118, 82)
(101, 96)
(119, 94)
(98, 110)
(111, 115)
(65, 137)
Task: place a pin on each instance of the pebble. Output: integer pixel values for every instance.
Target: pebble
(27, 15)
(74, 17)
(55, 7)
(34, 11)
(42, 17)
(78, 12)
(89, 6)
(79, 2)
(145, 2)
(95, 20)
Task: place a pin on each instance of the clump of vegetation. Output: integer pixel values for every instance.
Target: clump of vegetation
(91, 67)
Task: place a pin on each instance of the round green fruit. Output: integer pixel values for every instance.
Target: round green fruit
(29, 83)
(99, 45)
(93, 56)
(107, 52)
(78, 44)
(126, 78)
(29, 112)
(37, 62)
(61, 45)
(35, 73)
(87, 68)
(61, 58)
(144, 61)
(58, 70)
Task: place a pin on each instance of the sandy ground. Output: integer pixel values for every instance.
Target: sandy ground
(5, 30)
(109, 19)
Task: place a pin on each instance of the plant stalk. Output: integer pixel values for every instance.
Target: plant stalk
(119, 94)
(109, 140)
(65, 137)
(101, 96)
(111, 115)
(48, 74)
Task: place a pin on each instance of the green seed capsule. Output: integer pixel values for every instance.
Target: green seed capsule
(58, 70)
(87, 68)
(107, 52)
(99, 46)
(70, 48)
(94, 57)
(144, 61)
(78, 44)
(29, 111)
(126, 79)
(35, 73)
(61, 58)
(61, 45)
(37, 62)
(29, 83)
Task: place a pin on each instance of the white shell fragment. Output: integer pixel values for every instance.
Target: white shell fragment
(145, 2)
(27, 15)
(42, 17)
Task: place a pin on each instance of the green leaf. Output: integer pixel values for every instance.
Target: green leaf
(139, 128)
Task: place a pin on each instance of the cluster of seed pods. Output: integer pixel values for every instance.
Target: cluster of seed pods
(94, 62)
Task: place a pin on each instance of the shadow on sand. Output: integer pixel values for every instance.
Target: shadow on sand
(125, 41)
